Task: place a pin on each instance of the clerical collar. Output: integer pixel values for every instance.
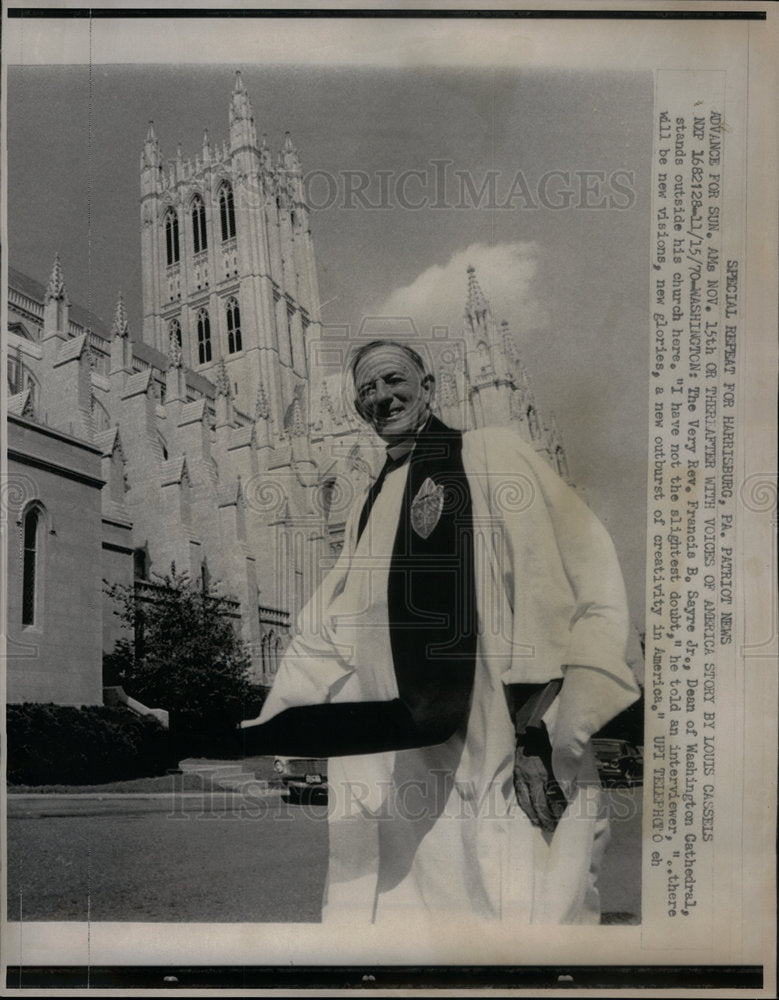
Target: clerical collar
(395, 452)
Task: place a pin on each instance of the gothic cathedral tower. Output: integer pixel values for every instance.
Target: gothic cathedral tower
(228, 264)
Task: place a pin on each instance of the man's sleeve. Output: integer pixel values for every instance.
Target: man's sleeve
(561, 572)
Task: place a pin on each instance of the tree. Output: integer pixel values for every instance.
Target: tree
(184, 655)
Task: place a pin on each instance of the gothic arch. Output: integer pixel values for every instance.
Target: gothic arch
(19, 377)
(141, 562)
(101, 419)
(170, 224)
(233, 314)
(34, 523)
(21, 331)
(203, 336)
(197, 211)
(226, 211)
(174, 330)
(269, 645)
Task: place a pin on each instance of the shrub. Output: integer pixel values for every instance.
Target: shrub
(186, 657)
(62, 744)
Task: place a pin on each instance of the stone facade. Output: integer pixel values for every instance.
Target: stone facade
(221, 440)
(54, 609)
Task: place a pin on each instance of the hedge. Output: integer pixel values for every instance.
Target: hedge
(62, 744)
(214, 735)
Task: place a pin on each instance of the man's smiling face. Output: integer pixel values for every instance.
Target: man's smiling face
(392, 394)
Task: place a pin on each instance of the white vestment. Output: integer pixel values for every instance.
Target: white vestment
(437, 829)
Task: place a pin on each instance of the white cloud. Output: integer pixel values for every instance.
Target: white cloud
(506, 273)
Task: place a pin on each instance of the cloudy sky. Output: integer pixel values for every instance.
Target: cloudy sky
(396, 159)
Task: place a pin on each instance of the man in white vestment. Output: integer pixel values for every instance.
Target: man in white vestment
(453, 666)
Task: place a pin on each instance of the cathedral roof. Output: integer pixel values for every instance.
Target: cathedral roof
(35, 290)
(106, 440)
(71, 349)
(137, 384)
(192, 412)
(241, 436)
(173, 471)
(20, 403)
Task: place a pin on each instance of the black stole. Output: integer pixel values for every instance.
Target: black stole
(431, 588)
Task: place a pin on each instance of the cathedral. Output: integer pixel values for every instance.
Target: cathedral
(216, 435)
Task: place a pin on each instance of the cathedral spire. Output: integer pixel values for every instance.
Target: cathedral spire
(223, 405)
(476, 304)
(151, 156)
(206, 147)
(266, 159)
(222, 379)
(55, 290)
(121, 345)
(262, 410)
(120, 326)
(242, 130)
(298, 427)
(289, 155)
(510, 352)
(175, 359)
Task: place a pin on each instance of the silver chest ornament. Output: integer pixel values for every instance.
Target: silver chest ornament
(426, 508)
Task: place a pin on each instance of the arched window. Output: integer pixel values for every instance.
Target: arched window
(265, 647)
(227, 212)
(233, 327)
(140, 564)
(174, 331)
(203, 337)
(30, 582)
(171, 237)
(199, 224)
(19, 378)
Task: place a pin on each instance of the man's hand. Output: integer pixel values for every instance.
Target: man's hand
(538, 793)
(588, 700)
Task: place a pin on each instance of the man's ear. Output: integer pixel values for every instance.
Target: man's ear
(429, 383)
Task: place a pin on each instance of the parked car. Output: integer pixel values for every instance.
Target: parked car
(302, 776)
(619, 762)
